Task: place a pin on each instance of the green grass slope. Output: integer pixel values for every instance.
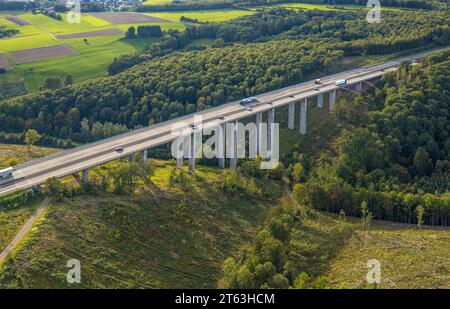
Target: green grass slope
(162, 236)
(12, 219)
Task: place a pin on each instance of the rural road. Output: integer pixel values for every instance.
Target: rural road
(77, 159)
(24, 230)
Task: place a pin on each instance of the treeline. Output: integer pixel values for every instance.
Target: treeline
(394, 153)
(246, 29)
(399, 31)
(189, 6)
(7, 32)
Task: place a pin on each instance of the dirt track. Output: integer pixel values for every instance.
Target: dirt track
(17, 20)
(117, 18)
(4, 63)
(89, 34)
(30, 55)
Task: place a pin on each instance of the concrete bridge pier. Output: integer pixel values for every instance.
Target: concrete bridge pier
(85, 176)
(291, 116)
(332, 100)
(131, 158)
(358, 86)
(221, 146)
(191, 159)
(233, 146)
(320, 100)
(303, 114)
(270, 120)
(258, 132)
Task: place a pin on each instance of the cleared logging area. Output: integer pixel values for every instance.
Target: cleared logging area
(128, 18)
(89, 34)
(29, 55)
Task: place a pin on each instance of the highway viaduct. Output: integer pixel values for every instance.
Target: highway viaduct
(296, 97)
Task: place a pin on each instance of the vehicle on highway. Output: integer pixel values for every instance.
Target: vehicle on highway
(316, 89)
(119, 149)
(248, 101)
(317, 81)
(6, 173)
(248, 109)
(221, 117)
(341, 83)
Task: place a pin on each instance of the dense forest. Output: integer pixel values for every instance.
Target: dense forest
(394, 152)
(391, 158)
(6, 32)
(183, 82)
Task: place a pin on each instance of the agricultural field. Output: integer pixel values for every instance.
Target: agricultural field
(169, 236)
(328, 7)
(164, 236)
(93, 44)
(156, 2)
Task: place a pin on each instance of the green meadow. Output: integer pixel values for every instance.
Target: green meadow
(94, 56)
(328, 7)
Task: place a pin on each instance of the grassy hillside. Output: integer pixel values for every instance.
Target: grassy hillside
(15, 154)
(205, 16)
(162, 236)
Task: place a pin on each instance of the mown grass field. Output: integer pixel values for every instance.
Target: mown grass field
(205, 16)
(173, 236)
(20, 153)
(94, 56)
(11, 220)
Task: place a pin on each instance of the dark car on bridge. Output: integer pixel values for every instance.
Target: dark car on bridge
(248, 101)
